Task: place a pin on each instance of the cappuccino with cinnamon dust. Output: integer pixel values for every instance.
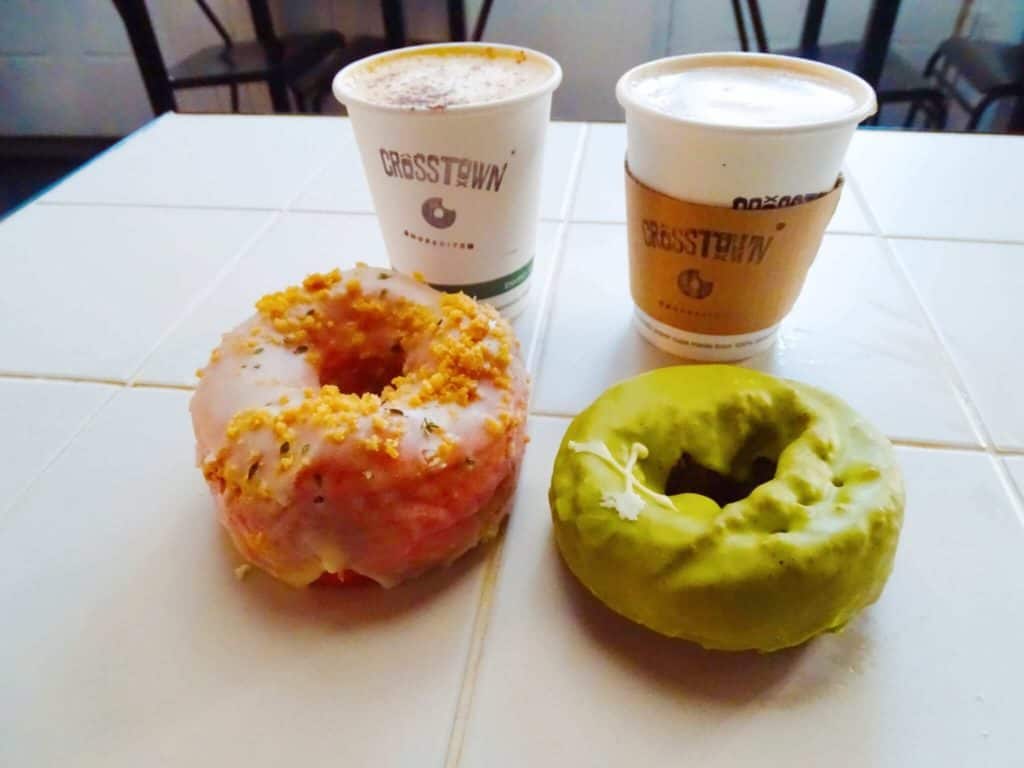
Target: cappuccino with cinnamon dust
(452, 140)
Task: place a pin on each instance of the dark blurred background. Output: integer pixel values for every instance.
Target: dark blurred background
(76, 75)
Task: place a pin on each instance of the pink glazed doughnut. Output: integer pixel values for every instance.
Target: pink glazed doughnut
(361, 425)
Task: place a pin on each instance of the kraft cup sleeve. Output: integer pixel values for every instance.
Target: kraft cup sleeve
(721, 271)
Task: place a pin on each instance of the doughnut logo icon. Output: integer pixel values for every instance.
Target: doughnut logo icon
(436, 215)
(693, 285)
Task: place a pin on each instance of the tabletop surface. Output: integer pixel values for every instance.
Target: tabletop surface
(128, 641)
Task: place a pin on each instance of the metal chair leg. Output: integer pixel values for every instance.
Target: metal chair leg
(139, 26)
(741, 27)
(911, 114)
(908, 121)
(941, 114)
(929, 67)
(979, 111)
(394, 22)
(757, 22)
(481, 20)
(457, 20)
(279, 95)
(991, 98)
(1016, 124)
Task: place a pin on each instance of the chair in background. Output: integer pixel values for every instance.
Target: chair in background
(285, 63)
(300, 65)
(394, 23)
(994, 71)
(893, 78)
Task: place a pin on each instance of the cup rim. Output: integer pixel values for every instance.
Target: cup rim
(349, 98)
(867, 101)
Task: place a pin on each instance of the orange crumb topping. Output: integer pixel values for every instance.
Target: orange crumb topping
(471, 344)
(502, 424)
(330, 323)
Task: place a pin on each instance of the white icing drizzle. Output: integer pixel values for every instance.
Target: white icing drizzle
(627, 502)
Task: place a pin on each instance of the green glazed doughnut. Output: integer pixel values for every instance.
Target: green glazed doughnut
(727, 507)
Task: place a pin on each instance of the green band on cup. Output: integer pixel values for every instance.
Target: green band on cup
(491, 288)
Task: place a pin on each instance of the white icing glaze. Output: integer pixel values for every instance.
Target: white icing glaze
(627, 502)
(380, 507)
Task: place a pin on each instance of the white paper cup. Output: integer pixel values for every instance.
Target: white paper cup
(457, 189)
(737, 166)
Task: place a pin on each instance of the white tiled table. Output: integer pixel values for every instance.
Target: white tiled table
(127, 641)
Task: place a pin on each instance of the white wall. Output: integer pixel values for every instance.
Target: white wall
(594, 40)
(66, 66)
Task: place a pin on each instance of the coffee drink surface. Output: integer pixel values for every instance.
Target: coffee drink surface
(451, 77)
(745, 96)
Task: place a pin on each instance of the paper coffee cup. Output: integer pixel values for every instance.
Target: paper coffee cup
(457, 187)
(758, 133)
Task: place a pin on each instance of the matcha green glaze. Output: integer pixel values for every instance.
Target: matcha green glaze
(801, 555)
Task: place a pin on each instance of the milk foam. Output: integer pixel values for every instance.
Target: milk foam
(745, 96)
(448, 78)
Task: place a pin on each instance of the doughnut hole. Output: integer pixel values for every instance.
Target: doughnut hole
(689, 476)
(361, 374)
(751, 436)
(343, 579)
(363, 353)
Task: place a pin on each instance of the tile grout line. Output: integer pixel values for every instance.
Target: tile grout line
(7, 510)
(132, 377)
(967, 407)
(547, 300)
(464, 702)
(156, 206)
(960, 387)
(164, 386)
(39, 198)
(938, 239)
(575, 167)
(967, 403)
(551, 414)
(330, 212)
(64, 378)
(67, 378)
(57, 378)
(116, 388)
(222, 274)
(313, 176)
(925, 445)
(203, 294)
